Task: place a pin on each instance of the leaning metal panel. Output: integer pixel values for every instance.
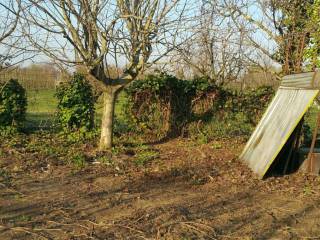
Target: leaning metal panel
(279, 121)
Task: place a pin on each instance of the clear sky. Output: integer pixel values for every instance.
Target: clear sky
(58, 42)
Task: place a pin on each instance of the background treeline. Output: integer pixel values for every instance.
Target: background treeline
(48, 76)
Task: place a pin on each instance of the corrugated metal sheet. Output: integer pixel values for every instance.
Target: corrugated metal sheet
(302, 80)
(281, 118)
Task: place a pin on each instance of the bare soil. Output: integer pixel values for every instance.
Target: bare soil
(188, 191)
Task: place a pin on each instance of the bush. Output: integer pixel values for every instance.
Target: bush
(234, 114)
(78, 160)
(76, 105)
(13, 104)
(251, 102)
(166, 106)
(163, 104)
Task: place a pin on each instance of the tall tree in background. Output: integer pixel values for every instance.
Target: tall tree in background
(9, 17)
(292, 26)
(283, 24)
(312, 54)
(128, 34)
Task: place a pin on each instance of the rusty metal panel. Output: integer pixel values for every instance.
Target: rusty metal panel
(279, 121)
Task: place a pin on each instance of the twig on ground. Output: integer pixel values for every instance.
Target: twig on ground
(68, 224)
(25, 230)
(12, 190)
(108, 225)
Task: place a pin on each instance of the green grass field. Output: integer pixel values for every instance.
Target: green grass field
(41, 101)
(42, 106)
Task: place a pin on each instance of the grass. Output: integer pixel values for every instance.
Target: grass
(144, 157)
(311, 116)
(41, 108)
(42, 105)
(41, 101)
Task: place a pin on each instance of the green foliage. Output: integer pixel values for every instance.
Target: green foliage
(145, 156)
(292, 22)
(251, 103)
(307, 190)
(306, 134)
(23, 218)
(105, 160)
(309, 125)
(312, 53)
(233, 114)
(5, 177)
(224, 126)
(164, 106)
(76, 106)
(78, 160)
(13, 105)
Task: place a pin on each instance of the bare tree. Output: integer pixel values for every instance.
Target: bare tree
(217, 50)
(9, 19)
(128, 34)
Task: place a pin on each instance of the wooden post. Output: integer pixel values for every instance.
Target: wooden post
(313, 143)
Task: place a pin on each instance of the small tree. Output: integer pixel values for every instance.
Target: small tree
(13, 104)
(76, 105)
(130, 34)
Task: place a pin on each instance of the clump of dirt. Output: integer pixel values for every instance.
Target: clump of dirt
(51, 189)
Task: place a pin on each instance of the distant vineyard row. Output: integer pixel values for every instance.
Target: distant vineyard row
(35, 77)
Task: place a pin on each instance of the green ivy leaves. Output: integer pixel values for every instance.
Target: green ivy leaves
(164, 105)
(13, 104)
(76, 105)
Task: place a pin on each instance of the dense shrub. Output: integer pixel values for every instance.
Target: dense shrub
(13, 104)
(76, 105)
(169, 106)
(251, 102)
(163, 103)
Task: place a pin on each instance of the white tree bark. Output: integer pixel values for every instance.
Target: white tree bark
(106, 137)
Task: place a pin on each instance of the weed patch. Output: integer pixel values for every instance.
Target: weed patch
(78, 160)
(145, 156)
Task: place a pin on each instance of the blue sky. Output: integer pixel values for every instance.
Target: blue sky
(41, 58)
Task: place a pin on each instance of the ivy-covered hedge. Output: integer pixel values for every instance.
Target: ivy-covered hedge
(13, 104)
(160, 104)
(165, 106)
(234, 114)
(250, 102)
(75, 105)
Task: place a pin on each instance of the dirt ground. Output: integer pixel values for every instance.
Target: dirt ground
(189, 191)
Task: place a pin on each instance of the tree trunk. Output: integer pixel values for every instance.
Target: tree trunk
(109, 99)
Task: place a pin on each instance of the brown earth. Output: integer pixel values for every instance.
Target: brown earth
(188, 191)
